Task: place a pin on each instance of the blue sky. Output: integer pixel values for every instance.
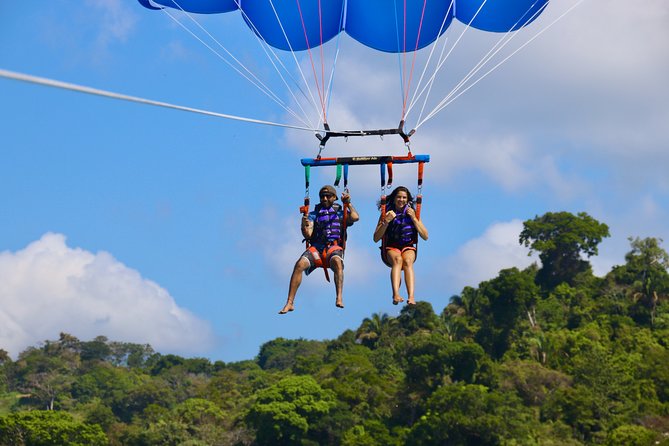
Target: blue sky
(157, 226)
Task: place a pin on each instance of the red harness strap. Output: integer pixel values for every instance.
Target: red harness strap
(321, 258)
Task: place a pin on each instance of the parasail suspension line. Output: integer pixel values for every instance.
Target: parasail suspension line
(251, 77)
(501, 43)
(108, 94)
(274, 59)
(444, 104)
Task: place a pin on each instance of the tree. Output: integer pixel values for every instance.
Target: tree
(504, 304)
(631, 435)
(96, 350)
(419, 317)
(48, 428)
(532, 382)
(371, 329)
(561, 238)
(471, 415)
(284, 412)
(645, 271)
(359, 384)
(285, 354)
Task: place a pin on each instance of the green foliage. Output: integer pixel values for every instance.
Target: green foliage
(48, 428)
(646, 278)
(284, 354)
(465, 414)
(357, 382)
(419, 317)
(532, 382)
(538, 357)
(372, 433)
(503, 307)
(8, 401)
(631, 435)
(374, 329)
(283, 413)
(561, 238)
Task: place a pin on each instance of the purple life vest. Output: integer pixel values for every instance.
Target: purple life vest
(401, 230)
(327, 225)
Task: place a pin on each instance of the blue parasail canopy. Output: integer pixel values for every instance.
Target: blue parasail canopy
(385, 25)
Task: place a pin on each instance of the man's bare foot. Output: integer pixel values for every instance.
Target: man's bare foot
(286, 308)
(397, 299)
(339, 303)
(411, 301)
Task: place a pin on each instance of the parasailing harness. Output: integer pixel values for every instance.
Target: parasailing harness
(342, 164)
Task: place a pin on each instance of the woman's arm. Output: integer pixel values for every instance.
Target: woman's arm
(420, 227)
(383, 225)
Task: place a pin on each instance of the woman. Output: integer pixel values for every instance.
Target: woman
(400, 227)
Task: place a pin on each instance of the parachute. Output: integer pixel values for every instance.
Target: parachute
(385, 25)
(388, 26)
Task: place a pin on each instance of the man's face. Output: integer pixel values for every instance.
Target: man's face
(327, 199)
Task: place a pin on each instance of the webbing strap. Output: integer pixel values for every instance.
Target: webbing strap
(338, 178)
(390, 173)
(320, 260)
(305, 209)
(383, 175)
(346, 177)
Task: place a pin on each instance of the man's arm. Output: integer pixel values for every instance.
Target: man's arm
(352, 213)
(307, 227)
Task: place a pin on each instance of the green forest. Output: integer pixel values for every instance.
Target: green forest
(549, 355)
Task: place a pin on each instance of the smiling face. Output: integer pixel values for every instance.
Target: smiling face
(401, 200)
(327, 199)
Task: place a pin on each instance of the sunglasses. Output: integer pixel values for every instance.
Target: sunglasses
(325, 195)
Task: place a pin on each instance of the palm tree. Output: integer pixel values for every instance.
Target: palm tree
(372, 328)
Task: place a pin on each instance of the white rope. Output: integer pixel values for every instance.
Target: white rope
(297, 63)
(274, 56)
(329, 93)
(496, 48)
(253, 79)
(455, 44)
(440, 108)
(415, 96)
(93, 91)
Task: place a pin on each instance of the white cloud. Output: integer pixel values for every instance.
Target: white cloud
(48, 288)
(482, 258)
(115, 19)
(591, 89)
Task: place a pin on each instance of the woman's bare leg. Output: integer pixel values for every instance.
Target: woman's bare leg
(395, 259)
(408, 259)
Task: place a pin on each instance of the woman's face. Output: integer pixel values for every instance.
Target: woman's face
(401, 200)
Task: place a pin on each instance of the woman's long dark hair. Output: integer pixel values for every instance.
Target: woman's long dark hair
(390, 200)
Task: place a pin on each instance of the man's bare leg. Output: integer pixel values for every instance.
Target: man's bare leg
(295, 280)
(337, 266)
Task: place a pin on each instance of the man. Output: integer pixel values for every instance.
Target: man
(324, 228)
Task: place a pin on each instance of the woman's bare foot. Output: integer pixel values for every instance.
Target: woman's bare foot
(397, 299)
(339, 303)
(411, 301)
(286, 308)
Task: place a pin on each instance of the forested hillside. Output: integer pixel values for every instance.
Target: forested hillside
(549, 355)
